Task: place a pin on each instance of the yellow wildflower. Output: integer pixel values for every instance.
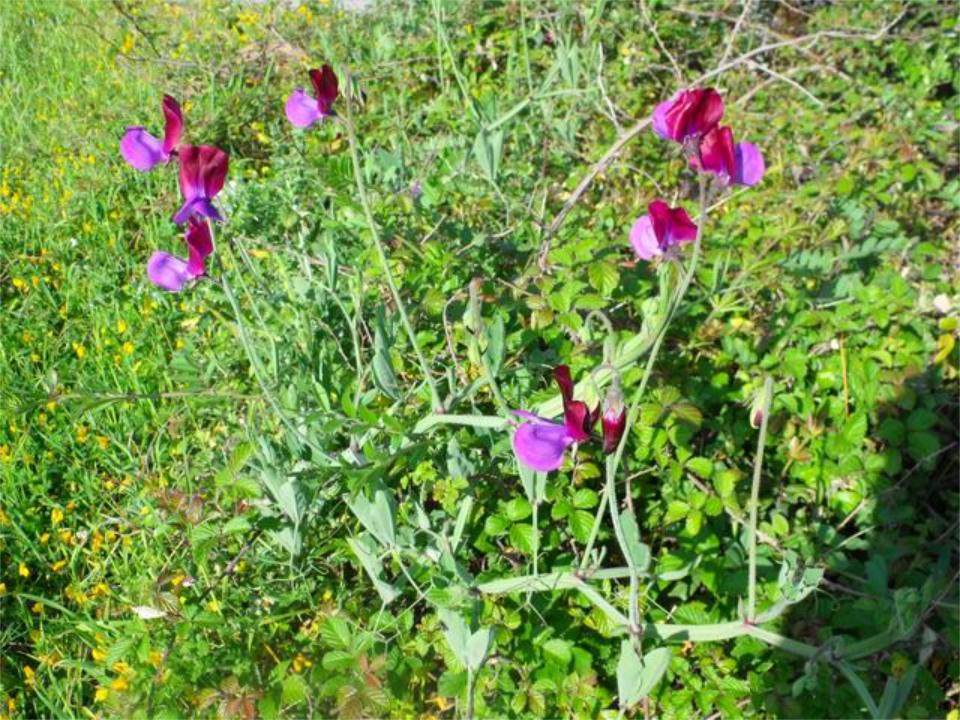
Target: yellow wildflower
(80, 350)
(213, 605)
(300, 662)
(100, 590)
(65, 536)
(3, 588)
(36, 609)
(101, 694)
(128, 348)
(5, 454)
(103, 442)
(119, 684)
(56, 516)
(82, 433)
(24, 571)
(99, 654)
(20, 283)
(155, 658)
(28, 676)
(121, 668)
(121, 326)
(58, 565)
(45, 538)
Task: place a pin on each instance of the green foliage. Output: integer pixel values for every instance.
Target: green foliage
(215, 508)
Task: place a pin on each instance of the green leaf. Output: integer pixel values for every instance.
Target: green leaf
(518, 509)
(376, 515)
(638, 552)
(383, 375)
(701, 467)
(676, 510)
(477, 647)
(604, 277)
(558, 652)
(636, 677)
(581, 522)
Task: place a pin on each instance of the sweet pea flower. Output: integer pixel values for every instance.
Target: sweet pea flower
(142, 150)
(688, 114)
(203, 168)
(540, 443)
(663, 227)
(737, 163)
(171, 272)
(304, 110)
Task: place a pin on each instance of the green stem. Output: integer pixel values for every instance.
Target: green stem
(755, 500)
(478, 330)
(381, 250)
(594, 531)
(258, 371)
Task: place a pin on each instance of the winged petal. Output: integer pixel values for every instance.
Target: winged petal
(168, 271)
(750, 166)
(141, 149)
(200, 244)
(302, 110)
(541, 445)
(644, 239)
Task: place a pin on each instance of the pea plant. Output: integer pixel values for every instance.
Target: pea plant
(411, 554)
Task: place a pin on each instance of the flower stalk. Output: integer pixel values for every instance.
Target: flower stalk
(381, 250)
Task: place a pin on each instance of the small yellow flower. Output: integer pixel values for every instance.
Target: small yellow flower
(213, 605)
(5, 454)
(58, 565)
(3, 588)
(45, 538)
(103, 442)
(155, 658)
(51, 405)
(23, 570)
(65, 536)
(82, 433)
(327, 595)
(300, 662)
(80, 350)
(121, 668)
(128, 348)
(119, 684)
(101, 695)
(99, 654)
(121, 326)
(20, 283)
(100, 590)
(56, 516)
(28, 676)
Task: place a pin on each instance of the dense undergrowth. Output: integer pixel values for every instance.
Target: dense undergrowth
(201, 518)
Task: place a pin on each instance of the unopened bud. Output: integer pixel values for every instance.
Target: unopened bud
(761, 404)
(614, 418)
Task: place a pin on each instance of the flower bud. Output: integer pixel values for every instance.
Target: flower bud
(761, 404)
(614, 418)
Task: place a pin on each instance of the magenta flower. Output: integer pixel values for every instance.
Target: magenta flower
(203, 168)
(304, 110)
(690, 113)
(738, 163)
(662, 228)
(171, 272)
(540, 443)
(142, 150)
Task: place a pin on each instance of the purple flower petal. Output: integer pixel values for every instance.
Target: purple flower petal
(141, 149)
(168, 272)
(660, 118)
(197, 207)
(749, 165)
(541, 445)
(302, 110)
(644, 239)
